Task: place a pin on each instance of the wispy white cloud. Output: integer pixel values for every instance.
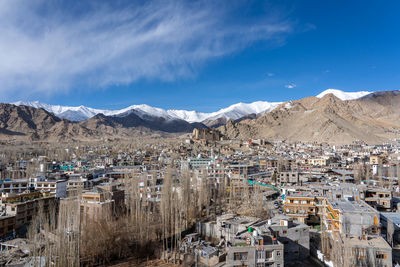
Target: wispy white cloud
(46, 47)
(270, 74)
(290, 85)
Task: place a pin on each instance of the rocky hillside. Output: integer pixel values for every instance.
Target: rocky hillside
(34, 124)
(373, 119)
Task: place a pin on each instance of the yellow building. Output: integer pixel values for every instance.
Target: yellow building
(375, 160)
(303, 207)
(323, 161)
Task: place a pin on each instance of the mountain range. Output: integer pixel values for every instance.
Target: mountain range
(82, 113)
(332, 116)
(233, 112)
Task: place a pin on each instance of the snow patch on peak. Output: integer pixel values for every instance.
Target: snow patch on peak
(188, 115)
(239, 110)
(289, 105)
(344, 95)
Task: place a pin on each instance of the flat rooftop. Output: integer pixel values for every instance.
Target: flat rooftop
(393, 216)
(352, 206)
(236, 219)
(377, 242)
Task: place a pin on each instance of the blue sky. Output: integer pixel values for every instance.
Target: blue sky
(194, 55)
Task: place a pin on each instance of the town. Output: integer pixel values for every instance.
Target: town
(198, 133)
(199, 200)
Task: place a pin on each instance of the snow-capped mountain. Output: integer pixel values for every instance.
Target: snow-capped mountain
(233, 112)
(66, 112)
(344, 95)
(240, 110)
(81, 113)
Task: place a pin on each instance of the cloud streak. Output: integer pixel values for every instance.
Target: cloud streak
(290, 85)
(47, 48)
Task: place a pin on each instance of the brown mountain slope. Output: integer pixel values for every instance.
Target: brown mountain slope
(107, 127)
(328, 119)
(31, 124)
(28, 123)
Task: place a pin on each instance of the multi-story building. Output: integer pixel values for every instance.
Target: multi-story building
(14, 185)
(304, 207)
(362, 250)
(288, 177)
(77, 181)
(354, 234)
(199, 162)
(24, 206)
(259, 251)
(271, 163)
(293, 235)
(56, 187)
(103, 202)
(380, 199)
(96, 205)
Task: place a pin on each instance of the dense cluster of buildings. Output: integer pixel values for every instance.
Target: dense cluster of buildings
(336, 205)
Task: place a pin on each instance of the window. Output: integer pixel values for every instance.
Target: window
(381, 255)
(359, 252)
(278, 253)
(239, 256)
(260, 254)
(268, 254)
